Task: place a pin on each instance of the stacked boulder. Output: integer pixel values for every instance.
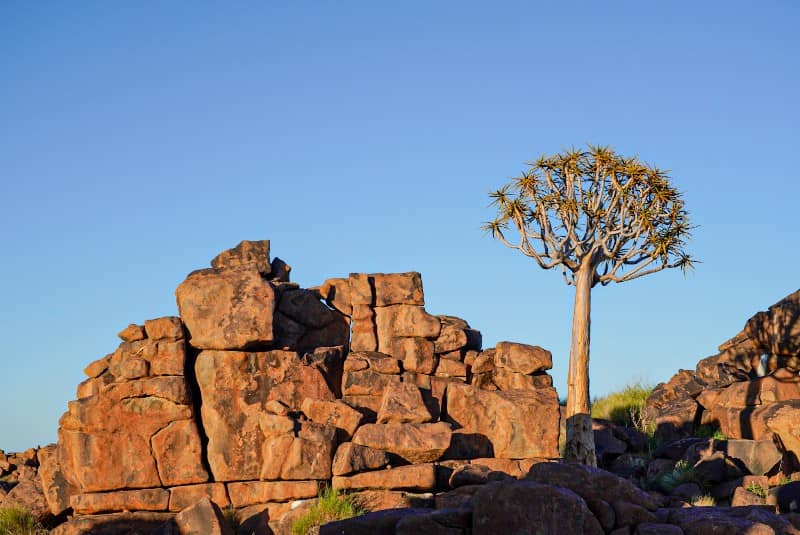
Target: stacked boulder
(262, 391)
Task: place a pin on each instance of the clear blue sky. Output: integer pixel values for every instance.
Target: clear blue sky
(137, 140)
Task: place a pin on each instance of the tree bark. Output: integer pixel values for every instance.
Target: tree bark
(580, 439)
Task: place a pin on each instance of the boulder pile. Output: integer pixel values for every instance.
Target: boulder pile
(261, 391)
(749, 390)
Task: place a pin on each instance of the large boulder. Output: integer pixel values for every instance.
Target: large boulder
(227, 308)
(414, 442)
(236, 387)
(518, 506)
(518, 423)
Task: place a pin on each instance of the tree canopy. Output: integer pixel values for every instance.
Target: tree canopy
(620, 215)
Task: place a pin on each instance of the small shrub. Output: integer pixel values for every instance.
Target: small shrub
(756, 489)
(330, 506)
(19, 521)
(681, 473)
(706, 500)
(625, 407)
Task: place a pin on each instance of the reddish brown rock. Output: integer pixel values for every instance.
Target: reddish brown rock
(374, 523)
(252, 254)
(177, 451)
(415, 477)
(416, 443)
(777, 330)
(305, 456)
(484, 362)
(519, 424)
(170, 358)
(303, 307)
(121, 500)
(169, 327)
(28, 494)
(336, 413)
(235, 388)
(784, 421)
(132, 333)
(121, 420)
(451, 368)
(366, 405)
(364, 335)
(336, 292)
(515, 506)
(247, 493)
(522, 358)
(416, 354)
(402, 403)
(352, 458)
(96, 368)
(57, 490)
(202, 518)
(113, 524)
(382, 289)
(281, 271)
(379, 500)
(405, 321)
(182, 497)
(590, 483)
(452, 522)
(227, 309)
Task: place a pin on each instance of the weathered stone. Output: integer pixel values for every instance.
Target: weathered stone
(377, 362)
(227, 309)
(177, 450)
(469, 474)
(442, 522)
(757, 456)
(717, 370)
(515, 507)
(280, 270)
(451, 368)
(365, 382)
(93, 386)
(182, 497)
(415, 477)
(405, 321)
(519, 424)
(402, 403)
(451, 338)
(132, 333)
(630, 514)
(304, 307)
(748, 520)
(777, 330)
(246, 493)
(484, 362)
(352, 458)
(364, 335)
(590, 483)
(133, 368)
(336, 413)
(202, 518)
(121, 420)
(29, 495)
(416, 354)
(416, 443)
(96, 368)
(169, 327)
(656, 528)
(113, 524)
(336, 292)
(382, 289)
(235, 387)
(366, 405)
(170, 358)
(252, 254)
(375, 523)
(121, 500)
(784, 421)
(57, 490)
(305, 456)
(522, 358)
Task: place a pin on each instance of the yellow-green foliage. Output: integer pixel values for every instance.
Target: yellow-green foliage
(706, 500)
(330, 506)
(681, 473)
(18, 521)
(624, 407)
(756, 489)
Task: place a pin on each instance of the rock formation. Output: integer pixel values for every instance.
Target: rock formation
(261, 391)
(750, 389)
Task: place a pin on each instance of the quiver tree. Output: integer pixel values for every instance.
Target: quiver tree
(601, 218)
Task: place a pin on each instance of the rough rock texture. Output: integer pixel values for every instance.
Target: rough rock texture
(517, 423)
(261, 391)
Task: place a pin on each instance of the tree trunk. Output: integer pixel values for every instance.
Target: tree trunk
(580, 440)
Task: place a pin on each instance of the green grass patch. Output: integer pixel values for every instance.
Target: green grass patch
(681, 473)
(331, 506)
(710, 431)
(19, 521)
(706, 500)
(624, 407)
(756, 489)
